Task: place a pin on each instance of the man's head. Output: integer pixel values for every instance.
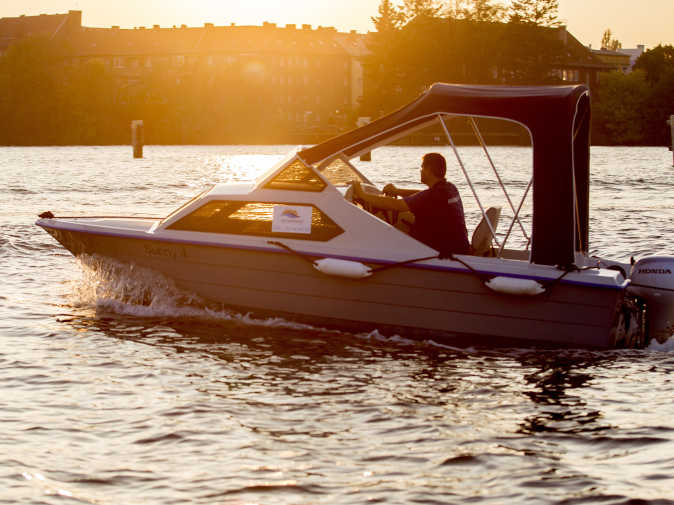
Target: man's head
(433, 168)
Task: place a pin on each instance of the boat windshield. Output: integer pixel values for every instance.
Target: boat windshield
(339, 172)
(194, 199)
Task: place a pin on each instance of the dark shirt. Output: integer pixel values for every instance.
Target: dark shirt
(438, 218)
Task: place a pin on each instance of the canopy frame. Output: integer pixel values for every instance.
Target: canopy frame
(558, 121)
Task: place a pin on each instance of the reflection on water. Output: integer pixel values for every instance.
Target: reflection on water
(557, 384)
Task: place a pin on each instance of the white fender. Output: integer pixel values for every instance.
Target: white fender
(342, 268)
(513, 286)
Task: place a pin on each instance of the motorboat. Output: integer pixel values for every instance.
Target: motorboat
(295, 242)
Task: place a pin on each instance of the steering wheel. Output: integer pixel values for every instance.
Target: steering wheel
(390, 216)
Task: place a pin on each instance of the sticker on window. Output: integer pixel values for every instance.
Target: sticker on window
(291, 219)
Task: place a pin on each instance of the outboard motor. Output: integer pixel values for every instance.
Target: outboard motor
(652, 278)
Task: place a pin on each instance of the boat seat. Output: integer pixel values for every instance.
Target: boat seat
(482, 236)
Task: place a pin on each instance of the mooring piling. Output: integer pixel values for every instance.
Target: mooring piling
(137, 137)
(671, 129)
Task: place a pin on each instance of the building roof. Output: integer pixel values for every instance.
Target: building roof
(183, 40)
(46, 25)
(213, 39)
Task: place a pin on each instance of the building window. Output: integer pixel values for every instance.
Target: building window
(570, 75)
(118, 62)
(179, 59)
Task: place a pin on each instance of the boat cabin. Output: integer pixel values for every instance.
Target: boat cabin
(306, 198)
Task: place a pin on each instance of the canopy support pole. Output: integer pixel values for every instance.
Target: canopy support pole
(517, 213)
(478, 134)
(465, 173)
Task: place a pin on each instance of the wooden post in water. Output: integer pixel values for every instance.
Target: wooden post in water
(671, 127)
(137, 137)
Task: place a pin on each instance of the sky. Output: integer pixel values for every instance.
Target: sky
(632, 22)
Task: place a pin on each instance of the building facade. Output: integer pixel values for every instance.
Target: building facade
(304, 77)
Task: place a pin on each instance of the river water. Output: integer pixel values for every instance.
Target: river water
(121, 390)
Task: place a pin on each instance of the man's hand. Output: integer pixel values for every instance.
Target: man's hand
(390, 190)
(357, 189)
(376, 201)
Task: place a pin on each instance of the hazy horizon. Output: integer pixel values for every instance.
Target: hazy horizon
(629, 21)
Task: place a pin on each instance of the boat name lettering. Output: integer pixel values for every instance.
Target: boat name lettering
(655, 271)
(164, 252)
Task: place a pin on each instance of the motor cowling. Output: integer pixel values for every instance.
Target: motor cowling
(652, 278)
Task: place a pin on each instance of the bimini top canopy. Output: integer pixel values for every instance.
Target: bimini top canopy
(558, 119)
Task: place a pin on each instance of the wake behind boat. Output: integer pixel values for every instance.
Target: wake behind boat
(295, 242)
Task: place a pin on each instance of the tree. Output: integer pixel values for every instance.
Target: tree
(658, 65)
(483, 11)
(618, 110)
(633, 108)
(380, 65)
(33, 91)
(421, 8)
(390, 17)
(530, 54)
(454, 9)
(656, 62)
(89, 113)
(659, 106)
(535, 12)
(608, 43)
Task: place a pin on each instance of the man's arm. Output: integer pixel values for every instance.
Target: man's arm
(391, 189)
(378, 201)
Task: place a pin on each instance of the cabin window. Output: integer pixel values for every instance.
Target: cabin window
(298, 221)
(297, 177)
